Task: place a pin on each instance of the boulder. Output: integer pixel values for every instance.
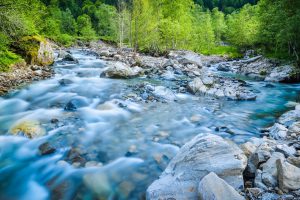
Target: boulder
(203, 154)
(220, 87)
(284, 73)
(212, 187)
(278, 131)
(69, 58)
(35, 50)
(288, 176)
(163, 93)
(120, 70)
(269, 175)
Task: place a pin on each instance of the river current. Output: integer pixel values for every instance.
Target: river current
(107, 147)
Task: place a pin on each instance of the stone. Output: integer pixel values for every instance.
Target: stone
(212, 187)
(120, 70)
(281, 74)
(269, 169)
(288, 176)
(35, 50)
(286, 150)
(203, 154)
(69, 58)
(31, 129)
(258, 181)
(255, 192)
(294, 160)
(220, 87)
(248, 148)
(278, 131)
(164, 93)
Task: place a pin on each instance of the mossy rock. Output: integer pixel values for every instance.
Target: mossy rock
(35, 50)
(31, 129)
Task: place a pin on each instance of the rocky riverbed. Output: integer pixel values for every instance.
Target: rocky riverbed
(115, 124)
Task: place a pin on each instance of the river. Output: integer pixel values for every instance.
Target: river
(100, 145)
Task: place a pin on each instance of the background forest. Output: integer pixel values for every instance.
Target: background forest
(205, 26)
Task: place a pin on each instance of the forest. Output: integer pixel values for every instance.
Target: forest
(271, 27)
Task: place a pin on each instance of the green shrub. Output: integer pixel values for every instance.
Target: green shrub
(7, 59)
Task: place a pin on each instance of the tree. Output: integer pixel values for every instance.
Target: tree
(243, 27)
(85, 29)
(218, 24)
(203, 33)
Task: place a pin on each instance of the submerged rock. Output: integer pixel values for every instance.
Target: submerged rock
(163, 93)
(203, 154)
(31, 129)
(120, 70)
(212, 187)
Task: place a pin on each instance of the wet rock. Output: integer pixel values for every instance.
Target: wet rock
(282, 74)
(269, 196)
(278, 131)
(65, 82)
(75, 103)
(288, 118)
(31, 129)
(46, 149)
(288, 176)
(186, 57)
(69, 58)
(120, 70)
(204, 154)
(212, 187)
(164, 93)
(220, 87)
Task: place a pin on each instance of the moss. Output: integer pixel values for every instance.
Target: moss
(28, 47)
(7, 59)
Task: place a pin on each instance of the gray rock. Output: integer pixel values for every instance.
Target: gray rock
(281, 74)
(212, 187)
(288, 176)
(220, 87)
(258, 181)
(248, 148)
(269, 170)
(278, 131)
(286, 150)
(164, 93)
(203, 154)
(294, 160)
(122, 71)
(288, 118)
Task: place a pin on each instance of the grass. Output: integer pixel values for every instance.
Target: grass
(229, 51)
(7, 59)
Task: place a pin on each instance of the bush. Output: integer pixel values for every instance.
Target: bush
(230, 51)
(7, 59)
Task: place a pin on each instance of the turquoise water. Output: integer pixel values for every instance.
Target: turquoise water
(128, 144)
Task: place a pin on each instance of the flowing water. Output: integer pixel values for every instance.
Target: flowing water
(108, 147)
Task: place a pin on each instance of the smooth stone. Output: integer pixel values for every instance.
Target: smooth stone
(203, 154)
(288, 176)
(211, 187)
(286, 150)
(31, 129)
